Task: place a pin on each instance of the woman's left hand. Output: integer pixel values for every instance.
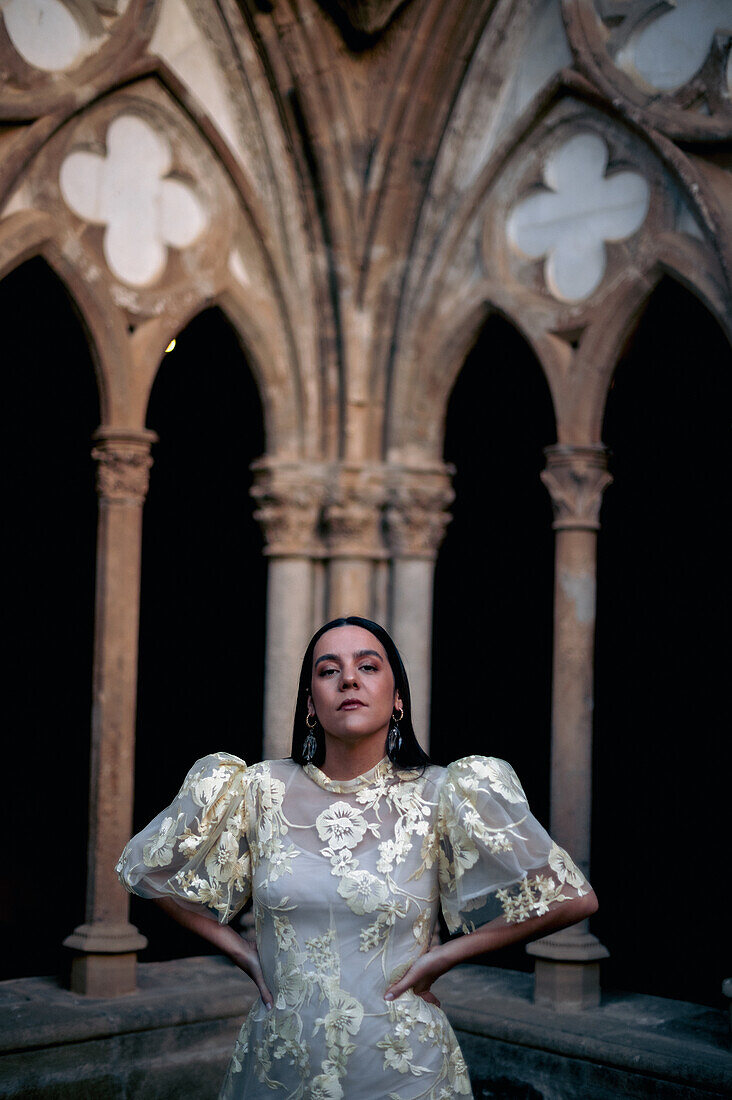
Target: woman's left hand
(419, 978)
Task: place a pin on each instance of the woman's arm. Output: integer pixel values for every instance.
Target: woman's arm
(492, 936)
(225, 938)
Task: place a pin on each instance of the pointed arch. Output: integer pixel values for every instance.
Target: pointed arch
(451, 284)
(418, 406)
(603, 343)
(270, 311)
(204, 577)
(494, 574)
(664, 603)
(32, 233)
(50, 509)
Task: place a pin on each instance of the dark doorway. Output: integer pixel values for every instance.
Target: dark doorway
(203, 582)
(662, 703)
(51, 411)
(492, 644)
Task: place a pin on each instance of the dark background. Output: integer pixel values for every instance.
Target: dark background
(664, 606)
(660, 829)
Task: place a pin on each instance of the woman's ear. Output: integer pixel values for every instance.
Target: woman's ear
(311, 708)
(398, 704)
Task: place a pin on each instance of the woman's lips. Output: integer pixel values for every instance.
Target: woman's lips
(351, 704)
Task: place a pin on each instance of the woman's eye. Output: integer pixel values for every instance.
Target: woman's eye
(327, 671)
(368, 668)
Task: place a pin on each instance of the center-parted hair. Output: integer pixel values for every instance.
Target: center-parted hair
(411, 754)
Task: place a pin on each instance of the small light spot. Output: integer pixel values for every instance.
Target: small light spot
(170, 346)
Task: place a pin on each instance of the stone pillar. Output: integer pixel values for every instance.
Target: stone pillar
(106, 944)
(416, 520)
(289, 496)
(567, 973)
(353, 519)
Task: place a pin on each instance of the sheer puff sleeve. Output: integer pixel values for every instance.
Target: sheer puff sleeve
(196, 852)
(495, 859)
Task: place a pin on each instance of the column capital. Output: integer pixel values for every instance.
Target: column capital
(416, 511)
(576, 476)
(353, 511)
(289, 498)
(123, 463)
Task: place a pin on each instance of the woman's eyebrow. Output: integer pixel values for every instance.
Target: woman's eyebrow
(357, 655)
(328, 657)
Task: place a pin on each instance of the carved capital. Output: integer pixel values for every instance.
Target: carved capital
(353, 513)
(289, 500)
(576, 477)
(123, 464)
(416, 515)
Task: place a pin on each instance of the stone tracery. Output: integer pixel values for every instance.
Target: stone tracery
(130, 192)
(49, 34)
(581, 209)
(667, 62)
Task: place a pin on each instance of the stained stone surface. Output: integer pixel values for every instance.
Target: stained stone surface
(171, 1040)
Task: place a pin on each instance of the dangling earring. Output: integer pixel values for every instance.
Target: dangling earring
(394, 737)
(310, 744)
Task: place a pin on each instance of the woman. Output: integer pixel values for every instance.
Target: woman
(348, 847)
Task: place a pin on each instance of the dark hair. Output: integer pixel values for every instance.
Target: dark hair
(411, 754)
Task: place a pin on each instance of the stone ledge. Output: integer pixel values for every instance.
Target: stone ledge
(171, 1040)
(38, 1013)
(684, 1044)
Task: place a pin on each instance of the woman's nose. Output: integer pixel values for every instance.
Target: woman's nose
(348, 679)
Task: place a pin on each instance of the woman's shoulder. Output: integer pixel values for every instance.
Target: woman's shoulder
(487, 773)
(282, 770)
(232, 762)
(472, 772)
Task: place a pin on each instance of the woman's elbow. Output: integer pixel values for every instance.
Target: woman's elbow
(589, 905)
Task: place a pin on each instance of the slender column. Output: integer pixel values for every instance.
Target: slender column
(567, 971)
(107, 943)
(289, 496)
(416, 520)
(353, 516)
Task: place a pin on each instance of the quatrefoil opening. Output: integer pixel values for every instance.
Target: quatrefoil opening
(129, 191)
(578, 209)
(50, 35)
(667, 51)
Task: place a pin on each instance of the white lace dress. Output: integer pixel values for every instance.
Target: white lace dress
(346, 878)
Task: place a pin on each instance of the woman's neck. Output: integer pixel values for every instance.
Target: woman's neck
(345, 760)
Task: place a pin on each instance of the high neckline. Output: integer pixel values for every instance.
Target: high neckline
(380, 772)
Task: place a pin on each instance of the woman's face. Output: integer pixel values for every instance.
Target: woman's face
(352, 685)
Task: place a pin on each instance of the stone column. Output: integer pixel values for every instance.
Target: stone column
(289, 496)
(416, 520)
(106, 944)
(567, 973)
(353, 536)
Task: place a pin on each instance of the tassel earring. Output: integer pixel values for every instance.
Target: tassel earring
(394, 737)
(310, 744)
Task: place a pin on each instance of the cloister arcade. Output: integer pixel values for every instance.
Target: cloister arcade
(418, 260)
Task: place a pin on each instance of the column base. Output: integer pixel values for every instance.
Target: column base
(567, 970)
(104, 975)
(106, 961)
(105, 938)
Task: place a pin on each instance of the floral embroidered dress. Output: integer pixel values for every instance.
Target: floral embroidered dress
(346, 879)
